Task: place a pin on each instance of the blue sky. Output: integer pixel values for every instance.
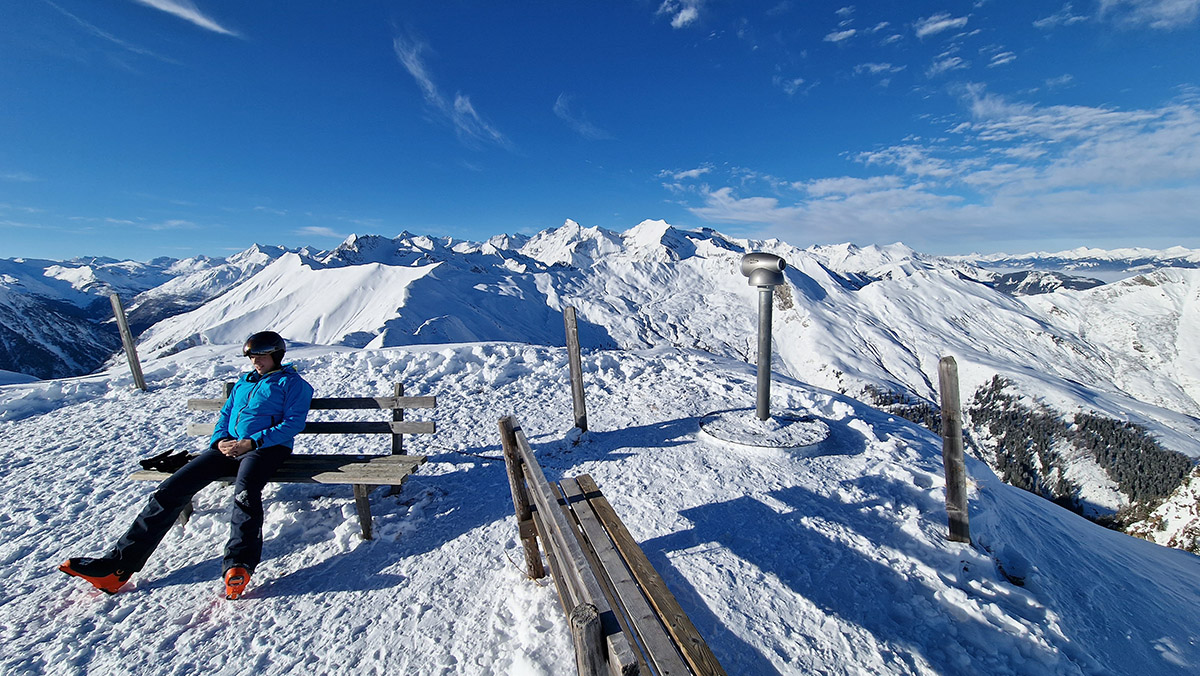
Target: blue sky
(145, 128)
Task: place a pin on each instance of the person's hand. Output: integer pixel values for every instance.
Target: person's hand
(235, 449)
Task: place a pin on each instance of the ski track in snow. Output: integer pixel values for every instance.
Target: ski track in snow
(830, 559)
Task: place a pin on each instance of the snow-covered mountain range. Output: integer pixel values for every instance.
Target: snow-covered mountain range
(829, 559)
(871, 322)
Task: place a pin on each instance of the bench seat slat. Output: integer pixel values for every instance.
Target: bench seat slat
(650, 632)
(693, 645)
(581, 580)
(383, 470)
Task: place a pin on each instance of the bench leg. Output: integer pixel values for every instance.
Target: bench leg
(186, 514)
(364, 509)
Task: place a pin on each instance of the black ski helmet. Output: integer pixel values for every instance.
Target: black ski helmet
(266, 342)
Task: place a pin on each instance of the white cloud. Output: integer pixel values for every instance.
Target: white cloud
(186, 10)
(1060, 81)
(839, 36)
(938, 23)
(877, 68)
(1063, 17)
(946, 64)
(849, 185)
(1161, 14)
(565, 112)
(682, 12)
(1011, 171)
(687, 174)
(19, 177)
(321, 231)
(172, 224)
(789, 85)
(461, 114)
(1001, 59)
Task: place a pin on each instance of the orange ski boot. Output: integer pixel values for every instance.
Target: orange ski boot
(104, 574)
(236, 579)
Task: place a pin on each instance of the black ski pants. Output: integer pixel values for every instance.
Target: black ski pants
(244, 547)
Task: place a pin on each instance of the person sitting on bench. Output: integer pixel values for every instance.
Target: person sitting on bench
(253, 435)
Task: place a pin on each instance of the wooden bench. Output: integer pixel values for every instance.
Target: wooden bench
(361, 471)
(623, 618)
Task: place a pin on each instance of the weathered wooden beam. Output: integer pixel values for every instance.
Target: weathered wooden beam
(380, 470)
(343, 427)
(584, 620)
(363, 505)
(952, 451)
(398, 416)
(641, 618)
(516, 486)
(581, 580)
(335, 403)
(576, 367)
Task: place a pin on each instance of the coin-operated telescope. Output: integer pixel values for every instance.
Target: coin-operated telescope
(766, 272)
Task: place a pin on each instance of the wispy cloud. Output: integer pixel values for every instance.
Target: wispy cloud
(938, 23)
(170, 224)
(946, 63)
(105, 35)
(1161, 14)
(19, 177)
(186, 10)
(1063, 17)
(789, 85)
(321, 231)
(877, 69)
(459, 112)
(565, 111)
(841, 36)
(1011, 170)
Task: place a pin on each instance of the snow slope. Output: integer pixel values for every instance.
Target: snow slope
(831, 561)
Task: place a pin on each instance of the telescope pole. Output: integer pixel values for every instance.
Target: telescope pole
(765, 298)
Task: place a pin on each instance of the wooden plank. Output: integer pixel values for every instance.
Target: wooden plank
(342, 427)
(581, 579)
(383, 470)
(651, 633)
(335, 403)
(695, 650)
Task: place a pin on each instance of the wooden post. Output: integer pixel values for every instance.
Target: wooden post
(952, 451)
(135, 366)
(576, 368)
(363, 505)
(585, 632)
(516, 484)
(398, 416)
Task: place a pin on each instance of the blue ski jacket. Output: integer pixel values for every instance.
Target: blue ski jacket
(269, 409)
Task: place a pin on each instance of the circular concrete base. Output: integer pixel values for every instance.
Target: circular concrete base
(782, 430)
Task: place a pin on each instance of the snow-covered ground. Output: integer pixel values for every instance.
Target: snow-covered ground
(831, 559)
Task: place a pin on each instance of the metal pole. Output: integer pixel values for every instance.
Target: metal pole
(766, 295)
(135, 367)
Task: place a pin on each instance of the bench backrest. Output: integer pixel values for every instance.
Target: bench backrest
(397, 426)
